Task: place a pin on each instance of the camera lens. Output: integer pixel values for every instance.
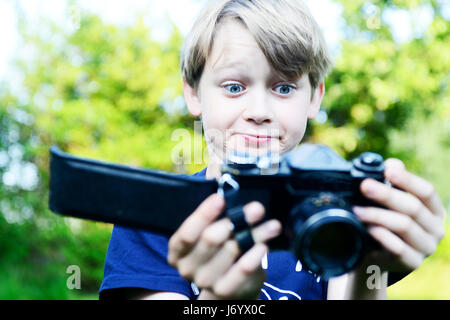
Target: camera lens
(330, 242)
(334, 244)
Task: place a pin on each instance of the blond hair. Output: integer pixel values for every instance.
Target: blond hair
(285, 30)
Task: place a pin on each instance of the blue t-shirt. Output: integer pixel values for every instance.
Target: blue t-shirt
(138, 259)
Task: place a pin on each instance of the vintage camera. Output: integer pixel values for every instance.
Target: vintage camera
(311, 190)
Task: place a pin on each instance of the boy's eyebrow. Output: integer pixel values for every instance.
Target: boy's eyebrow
(240, 65)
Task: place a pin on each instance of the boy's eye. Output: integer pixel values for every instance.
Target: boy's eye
(284, 89)
(234, 88)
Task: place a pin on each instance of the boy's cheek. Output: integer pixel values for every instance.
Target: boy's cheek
(295, 132)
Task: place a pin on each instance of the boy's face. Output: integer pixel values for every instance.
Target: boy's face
(246, 106)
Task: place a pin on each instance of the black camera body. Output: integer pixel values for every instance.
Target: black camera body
(311, 191)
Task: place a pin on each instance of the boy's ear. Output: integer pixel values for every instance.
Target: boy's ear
(316, 100)
(192, 99)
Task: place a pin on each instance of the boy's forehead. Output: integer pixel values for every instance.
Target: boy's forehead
(230, 63)
(232, 46)
(233, 58)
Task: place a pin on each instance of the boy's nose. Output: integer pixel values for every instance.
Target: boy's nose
(258, 111)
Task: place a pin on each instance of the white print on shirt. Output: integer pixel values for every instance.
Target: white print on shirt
(272, 292)
(298, 267)
(314, 275)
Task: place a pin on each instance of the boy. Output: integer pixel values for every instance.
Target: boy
(254, 71)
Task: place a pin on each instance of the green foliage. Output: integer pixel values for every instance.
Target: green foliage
(393, 99)
(378, 87)
(102, 92)
(98, 92)
(430, 281)
(113, 93)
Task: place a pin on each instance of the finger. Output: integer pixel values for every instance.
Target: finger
(245, 277)
(406, 255)
(266, 231)
(253, 213)
(397, 174)
(210, 272)
(400, 224)
(189, 232)
(403, 202)
(191, 264)
(214, 235)
(214, 267)
(208, 244)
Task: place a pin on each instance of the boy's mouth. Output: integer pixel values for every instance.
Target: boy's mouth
(256, 139)
(256, 143)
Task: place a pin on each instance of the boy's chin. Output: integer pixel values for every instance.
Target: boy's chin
(253, 152)
(230, 151)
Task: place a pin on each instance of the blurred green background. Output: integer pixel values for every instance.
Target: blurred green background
(113, 92)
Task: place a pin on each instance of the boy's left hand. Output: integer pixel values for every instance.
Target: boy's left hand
(410, 225)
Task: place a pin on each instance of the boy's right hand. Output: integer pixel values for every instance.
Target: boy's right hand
(204, 251)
